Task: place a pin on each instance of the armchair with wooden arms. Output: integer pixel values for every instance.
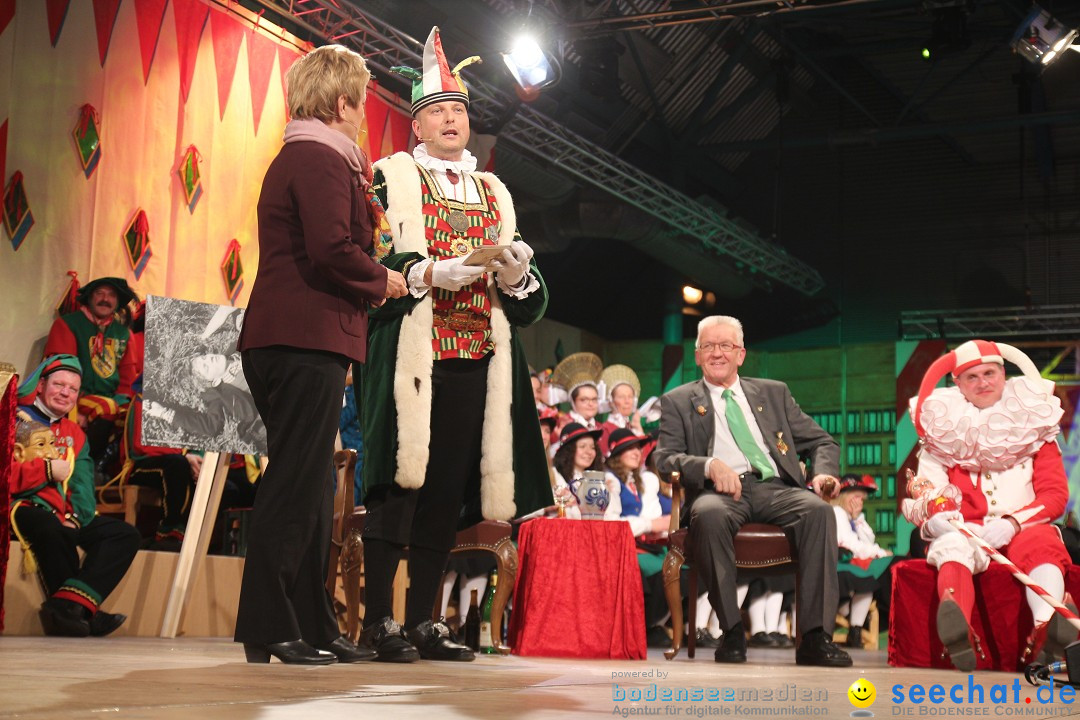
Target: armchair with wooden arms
(765, 549)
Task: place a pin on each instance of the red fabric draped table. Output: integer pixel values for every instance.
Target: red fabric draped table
(578, 592)
(1001, 617)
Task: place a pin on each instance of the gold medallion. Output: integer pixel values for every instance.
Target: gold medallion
(780, 444)
(492, 233)
(700, 410)
(459, 221)
(460, 246)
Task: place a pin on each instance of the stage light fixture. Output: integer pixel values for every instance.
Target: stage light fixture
(1041, 39)
(531, 68)
(692, 295)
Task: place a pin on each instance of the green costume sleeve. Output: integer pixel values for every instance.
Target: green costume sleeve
(396, 307)
(81, 487)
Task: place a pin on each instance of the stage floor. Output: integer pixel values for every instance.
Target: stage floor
(207, 679)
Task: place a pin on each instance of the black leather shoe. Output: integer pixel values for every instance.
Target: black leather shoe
(782, 640)
(733, 647)
(705, 640)
(346, 652)
(64, 618)
(763, 640)
(102, 623)
(387, 639)
(817, 649)
(293, 652)
(436, 642)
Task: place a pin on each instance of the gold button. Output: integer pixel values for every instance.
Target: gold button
(993, 502)
(989, 493)
(988, 476)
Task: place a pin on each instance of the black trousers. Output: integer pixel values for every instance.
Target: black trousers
(298, 394)
(110, 546)
(428, 517)
(171, 474)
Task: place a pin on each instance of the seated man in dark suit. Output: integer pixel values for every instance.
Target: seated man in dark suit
(737, 444)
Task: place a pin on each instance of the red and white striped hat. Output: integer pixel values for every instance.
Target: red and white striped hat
(965, 357)
(976, 352)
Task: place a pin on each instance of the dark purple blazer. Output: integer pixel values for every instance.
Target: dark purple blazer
(315, 276)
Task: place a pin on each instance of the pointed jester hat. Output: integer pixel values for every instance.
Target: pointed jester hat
(436, 82)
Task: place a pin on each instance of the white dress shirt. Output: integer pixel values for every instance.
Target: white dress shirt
(724, 447)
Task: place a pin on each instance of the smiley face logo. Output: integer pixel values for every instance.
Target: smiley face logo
(862, 693)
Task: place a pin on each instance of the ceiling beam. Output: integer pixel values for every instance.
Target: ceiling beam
(534, 134)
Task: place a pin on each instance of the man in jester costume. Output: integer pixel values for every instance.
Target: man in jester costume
(95, 335)
(988, 446)
(450, 431)
(53, 509)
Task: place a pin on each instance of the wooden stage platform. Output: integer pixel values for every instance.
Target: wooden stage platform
(129, 677)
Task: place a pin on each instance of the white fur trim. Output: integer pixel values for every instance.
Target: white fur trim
(497, 446)
(412, 366)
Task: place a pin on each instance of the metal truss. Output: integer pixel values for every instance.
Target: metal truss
(533, 133)
(1046, 321)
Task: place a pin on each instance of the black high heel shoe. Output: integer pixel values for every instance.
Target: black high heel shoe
(294, 652)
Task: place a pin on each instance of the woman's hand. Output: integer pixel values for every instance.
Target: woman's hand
(395, 285)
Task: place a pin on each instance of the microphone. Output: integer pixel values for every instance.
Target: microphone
(356, 130)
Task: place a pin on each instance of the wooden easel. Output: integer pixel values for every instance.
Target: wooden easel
(200, 526)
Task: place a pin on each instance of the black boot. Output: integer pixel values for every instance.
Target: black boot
(103, 623)
(854, 638)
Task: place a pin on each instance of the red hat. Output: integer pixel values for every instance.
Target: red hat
(549, 416)
(855, 482)
(965, 357)
(622, 439)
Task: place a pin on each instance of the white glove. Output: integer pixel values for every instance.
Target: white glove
(997, 533)
(454, 274)
(514, 263)
(937, 525)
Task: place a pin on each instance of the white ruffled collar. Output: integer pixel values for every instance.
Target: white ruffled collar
(994, 438)
(466, 164)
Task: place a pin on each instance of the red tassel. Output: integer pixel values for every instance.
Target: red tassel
(69, 302)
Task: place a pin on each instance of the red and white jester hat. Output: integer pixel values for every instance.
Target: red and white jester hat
(965, 357)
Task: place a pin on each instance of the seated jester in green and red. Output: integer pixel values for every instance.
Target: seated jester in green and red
(53, 510)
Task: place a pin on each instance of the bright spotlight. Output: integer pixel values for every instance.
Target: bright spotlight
(1040, 38)
(529, 64)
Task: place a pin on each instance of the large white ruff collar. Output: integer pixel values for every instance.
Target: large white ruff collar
(998, 437)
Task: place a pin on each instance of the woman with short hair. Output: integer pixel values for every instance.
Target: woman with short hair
(306, 322)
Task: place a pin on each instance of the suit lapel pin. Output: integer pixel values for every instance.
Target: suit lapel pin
(760, 408)
(701, 410)
(780, 444)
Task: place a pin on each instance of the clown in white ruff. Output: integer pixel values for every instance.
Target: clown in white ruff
(989, 441)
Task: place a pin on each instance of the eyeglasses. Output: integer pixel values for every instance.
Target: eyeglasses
(589, 400)
(723, 347)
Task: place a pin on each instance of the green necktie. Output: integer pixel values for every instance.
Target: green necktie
(743, 438)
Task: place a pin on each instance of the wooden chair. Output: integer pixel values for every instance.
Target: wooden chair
(127, 500)
(347, 551)
(765, 549)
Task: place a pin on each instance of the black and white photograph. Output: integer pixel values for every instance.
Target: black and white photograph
(194, 392)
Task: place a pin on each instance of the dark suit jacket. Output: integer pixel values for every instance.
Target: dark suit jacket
(315, 275)
(686, 435)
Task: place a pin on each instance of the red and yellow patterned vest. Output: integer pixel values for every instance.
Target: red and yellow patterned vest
(462, 318)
